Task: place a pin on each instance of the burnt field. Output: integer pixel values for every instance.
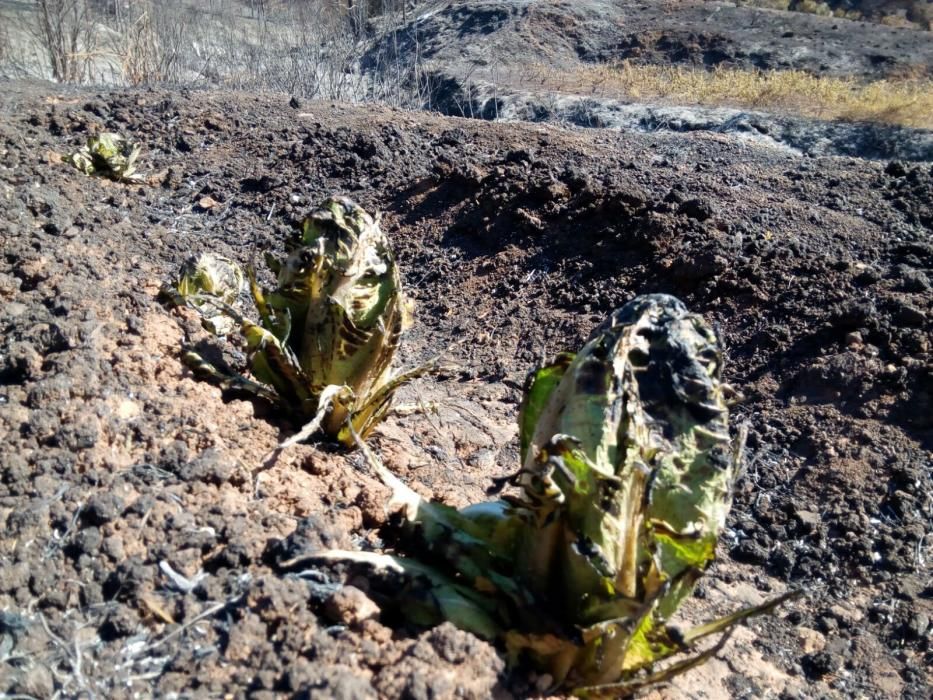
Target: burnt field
(143, 547)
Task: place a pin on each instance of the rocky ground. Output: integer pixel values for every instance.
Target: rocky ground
(143, 548)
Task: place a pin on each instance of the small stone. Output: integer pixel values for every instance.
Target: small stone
(749, 552)
(122, 622)
(373, 629)
(699, 209)
(88, 541)
(482, 459)
(811, 641)
(372, 507)
(113, 547)
(895, 169)
(917, 626)
(92, 593)
(350, 606)
(211, 466)
(234, 555)
(312, 534)
(102, 508)
(827, 624)
(853, 339)
(35, 682)
(781, 561)
(908, 315)
(24, 359)
(820, 663)
(14, 308)
(868, 276)
(208, 203)
(915, 281)
(809, 520)
(847, 613)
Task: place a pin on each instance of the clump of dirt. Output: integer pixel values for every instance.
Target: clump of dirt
(146, 552)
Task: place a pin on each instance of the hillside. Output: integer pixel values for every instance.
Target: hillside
(786, 79)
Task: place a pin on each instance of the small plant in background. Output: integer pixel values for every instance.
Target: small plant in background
(110, 155)
(626, 481)
(328, 331)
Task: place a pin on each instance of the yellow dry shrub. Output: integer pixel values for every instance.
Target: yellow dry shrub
(908, 101)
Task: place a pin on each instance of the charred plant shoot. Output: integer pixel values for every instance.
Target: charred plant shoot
(108, 154)
(328, 331)
(626, 480)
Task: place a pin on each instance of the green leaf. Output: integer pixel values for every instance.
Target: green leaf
(539, 386)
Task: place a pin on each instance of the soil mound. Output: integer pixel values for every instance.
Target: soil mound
(144, 552)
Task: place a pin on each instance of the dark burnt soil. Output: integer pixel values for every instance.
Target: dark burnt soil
(499, 40)
(143, 549)
(721, 33)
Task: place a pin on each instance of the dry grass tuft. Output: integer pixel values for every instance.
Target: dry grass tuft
(908, 102)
